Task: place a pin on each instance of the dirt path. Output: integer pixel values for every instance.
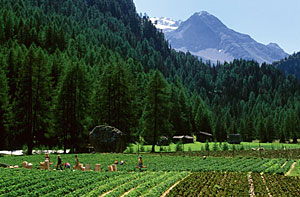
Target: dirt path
(106, 193)
(284, 164)
(251, 185)
(164, 194)
(127, 192)
(291, 169)
(263, 178)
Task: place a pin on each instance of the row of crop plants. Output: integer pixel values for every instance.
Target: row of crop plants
(236, 184)
(276, 185)
(212, 183)
(20, 182)
(166, 163)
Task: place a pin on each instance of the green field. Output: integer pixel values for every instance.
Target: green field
(163, 162)
(198, 146)
(213, 176)
(19, 182)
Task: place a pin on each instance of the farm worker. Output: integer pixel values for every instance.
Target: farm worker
(59, 163)
(76, 162)
(47, 157)
(122, 163)
(140, 163)
(67, 165)
(116, 162)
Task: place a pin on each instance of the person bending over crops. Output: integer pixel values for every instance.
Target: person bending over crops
(67, 165)
(76, 162)
(59, 162)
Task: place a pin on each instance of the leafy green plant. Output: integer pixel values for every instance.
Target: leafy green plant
(207, 146)
(215, 147)
(225, 146)
(179, 146)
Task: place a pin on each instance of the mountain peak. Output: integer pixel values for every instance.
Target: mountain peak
(206, 36)
(274, 45)
(203, 13)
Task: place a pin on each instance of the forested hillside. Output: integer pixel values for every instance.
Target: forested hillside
(69, 65)
(290, 65)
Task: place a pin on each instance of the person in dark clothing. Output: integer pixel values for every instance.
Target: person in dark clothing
(140, 166)
(59, 163)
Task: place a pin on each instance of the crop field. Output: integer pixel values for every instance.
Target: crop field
(18, 182)
(236, 184)
(170, 175)
(164, 163)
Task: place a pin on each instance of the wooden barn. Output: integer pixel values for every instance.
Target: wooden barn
(234, 139)
(203, 136)
(184, 138)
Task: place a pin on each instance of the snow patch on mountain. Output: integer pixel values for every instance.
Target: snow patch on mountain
(165, 24)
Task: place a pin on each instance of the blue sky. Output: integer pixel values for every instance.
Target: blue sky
(264, 20)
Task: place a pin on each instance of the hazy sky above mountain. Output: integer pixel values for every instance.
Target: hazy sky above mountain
(264, 20)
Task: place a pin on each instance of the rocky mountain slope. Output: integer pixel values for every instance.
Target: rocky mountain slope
(204, 35)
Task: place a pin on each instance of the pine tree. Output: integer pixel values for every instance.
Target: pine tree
(113, 100)
(203, 119)
(261, 131)
(5, 113)
(73, 105)
(32, 109)
(156, 112)
(42, 95)
(270, 132)
(220, 131)
(180, 111)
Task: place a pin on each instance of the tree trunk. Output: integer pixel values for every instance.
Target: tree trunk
(30, 147)
(155, 123)
(294, 140)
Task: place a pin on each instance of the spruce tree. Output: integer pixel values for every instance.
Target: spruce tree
(113, 100)
(5, 114)
(31, 106)
(73, 105)
(203, 119)
(156, 112)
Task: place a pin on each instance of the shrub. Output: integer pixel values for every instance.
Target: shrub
(233, 147)
(225, 146)
(207, 146)
(161, 149)
(242, 148)
(130, 150)
(179, 146)
(148, 150)
(215, 147)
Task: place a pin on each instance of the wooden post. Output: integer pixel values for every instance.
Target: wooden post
(98, 168)
(87, 167)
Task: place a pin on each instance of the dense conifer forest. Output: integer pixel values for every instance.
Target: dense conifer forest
(290, 65)
(69, 65)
